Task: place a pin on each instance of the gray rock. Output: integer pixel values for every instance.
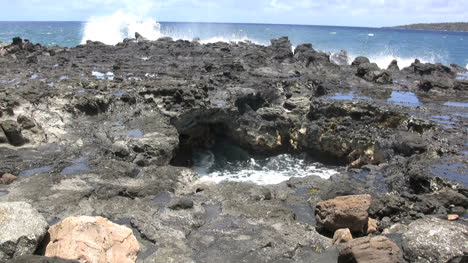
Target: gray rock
(21, 230)
(435, 240)
(13, 132)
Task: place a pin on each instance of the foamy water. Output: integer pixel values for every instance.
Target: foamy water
(214, 166)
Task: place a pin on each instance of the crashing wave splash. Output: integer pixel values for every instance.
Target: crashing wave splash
(118, 26)
(114, 28)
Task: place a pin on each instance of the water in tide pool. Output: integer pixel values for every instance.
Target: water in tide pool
(227, 162)
(380, 45)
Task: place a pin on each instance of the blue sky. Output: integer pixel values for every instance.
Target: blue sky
(315, 12)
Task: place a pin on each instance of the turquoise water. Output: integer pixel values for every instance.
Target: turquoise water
(380, 45)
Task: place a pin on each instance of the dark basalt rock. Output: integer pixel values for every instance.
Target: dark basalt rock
(13, 133)
(110, 145)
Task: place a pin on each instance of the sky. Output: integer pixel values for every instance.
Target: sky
(373, 13)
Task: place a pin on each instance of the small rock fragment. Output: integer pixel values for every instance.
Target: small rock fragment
(7, 178)
(342, 236)
(453, 217)
(372, 226)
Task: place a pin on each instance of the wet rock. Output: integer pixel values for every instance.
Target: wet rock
(7, 178)
(120, 149)
(281, 49)
(13, 132)
(372, 72)
(93, 239)
(344, 212)
(3, 138)
(21, 230)
(17, 41)
(393, 66)
(435, 240)
(181, 204)
(342, 236)
(407, 143)
(370, 249)
(25, 122)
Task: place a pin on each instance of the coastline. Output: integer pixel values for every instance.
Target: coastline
(102, 130)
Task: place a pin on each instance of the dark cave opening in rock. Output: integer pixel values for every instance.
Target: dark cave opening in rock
(215, 156)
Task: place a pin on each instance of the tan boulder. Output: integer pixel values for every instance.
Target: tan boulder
(372, 226)
(7, 178)
(371, 249)
(344, 212)
(342, 236)
(92, 240)
(453, 217)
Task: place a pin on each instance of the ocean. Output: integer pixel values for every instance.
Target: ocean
(381, 45)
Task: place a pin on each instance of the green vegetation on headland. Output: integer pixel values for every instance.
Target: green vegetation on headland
(460, 26)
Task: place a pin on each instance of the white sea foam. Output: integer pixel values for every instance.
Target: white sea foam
(273, 170)
(384, 59)
(114, 28)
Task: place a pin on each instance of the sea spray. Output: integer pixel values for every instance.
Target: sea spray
(114, 28)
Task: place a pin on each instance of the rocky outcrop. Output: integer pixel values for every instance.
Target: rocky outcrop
(92, 239)
(435, 240)
(41, 259)
(22, 228)
(344, 212)
(369, 250)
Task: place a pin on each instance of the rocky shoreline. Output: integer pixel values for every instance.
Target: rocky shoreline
(98, 139)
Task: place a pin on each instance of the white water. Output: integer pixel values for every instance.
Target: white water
(114, 28)
(273, 170)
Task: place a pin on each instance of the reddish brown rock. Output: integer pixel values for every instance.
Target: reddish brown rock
(93, 240)
(7, 178)
(342, 236)
(344, 212)
(370, 250)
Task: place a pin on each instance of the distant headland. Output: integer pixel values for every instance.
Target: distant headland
(459, 26)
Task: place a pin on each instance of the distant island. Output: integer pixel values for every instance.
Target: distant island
(460, 26)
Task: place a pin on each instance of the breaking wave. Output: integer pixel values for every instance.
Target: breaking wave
(114, 28)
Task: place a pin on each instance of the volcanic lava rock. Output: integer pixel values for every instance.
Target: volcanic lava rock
(370, 249)
(393, 66)
(21, 230)
(342, 236)
(93, 239)
(435, 240)
(344, 212)
(13, 132)
(359, 61)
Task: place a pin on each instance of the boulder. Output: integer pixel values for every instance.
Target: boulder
(21, 230)
(370, 250)
(93, 239)
(13, 132)
(25, 122)
(360, 60)
(435, 240)
(342, 236)
(7, 178)
(393, 66)
(344, 212)
(182, 203)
